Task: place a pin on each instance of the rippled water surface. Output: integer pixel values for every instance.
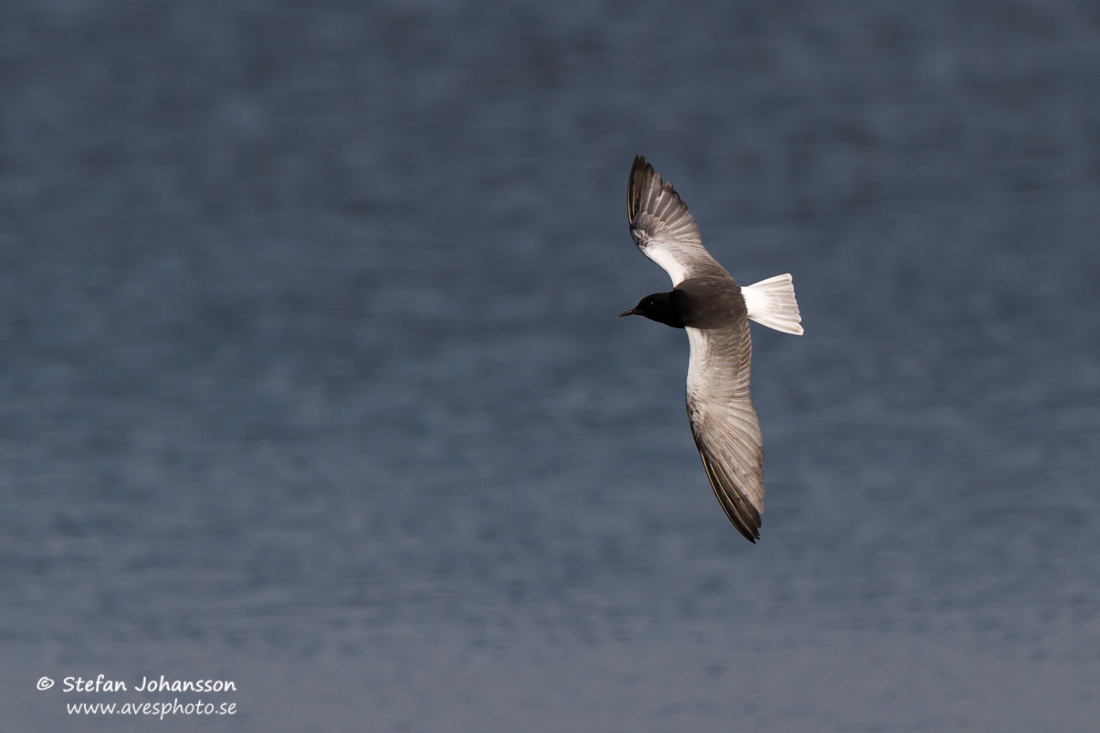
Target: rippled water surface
(311, 377)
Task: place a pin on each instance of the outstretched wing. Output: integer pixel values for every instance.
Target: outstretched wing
(724, 422)
(663, 227)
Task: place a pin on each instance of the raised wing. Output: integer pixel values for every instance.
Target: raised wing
(724, 423)
(663, 227)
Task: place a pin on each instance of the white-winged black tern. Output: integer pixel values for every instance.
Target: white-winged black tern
(715, 311)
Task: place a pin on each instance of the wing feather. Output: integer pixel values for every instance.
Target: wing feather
(724, 422)
(663, 228)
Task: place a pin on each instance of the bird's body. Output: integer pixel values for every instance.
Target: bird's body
(715, 311)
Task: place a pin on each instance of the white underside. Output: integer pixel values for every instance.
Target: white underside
(771, 303)
(669, 260)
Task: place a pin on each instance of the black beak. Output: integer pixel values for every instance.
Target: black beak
(631, 312)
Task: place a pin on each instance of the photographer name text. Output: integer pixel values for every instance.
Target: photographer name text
(102, 684)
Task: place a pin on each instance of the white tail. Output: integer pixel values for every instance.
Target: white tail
(771, 303)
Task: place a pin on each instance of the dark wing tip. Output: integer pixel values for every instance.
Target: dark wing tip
(741, 513)
(640, 173)
(640, 183)
(643, 184)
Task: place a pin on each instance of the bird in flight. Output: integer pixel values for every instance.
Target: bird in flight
(715, 311)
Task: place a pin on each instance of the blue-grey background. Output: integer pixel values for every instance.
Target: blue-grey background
(311, 376)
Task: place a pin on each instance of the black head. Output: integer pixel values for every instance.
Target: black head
(661, 307)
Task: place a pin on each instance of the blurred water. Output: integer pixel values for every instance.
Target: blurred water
(311, 377)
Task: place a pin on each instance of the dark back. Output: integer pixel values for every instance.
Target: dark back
(710, 302)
